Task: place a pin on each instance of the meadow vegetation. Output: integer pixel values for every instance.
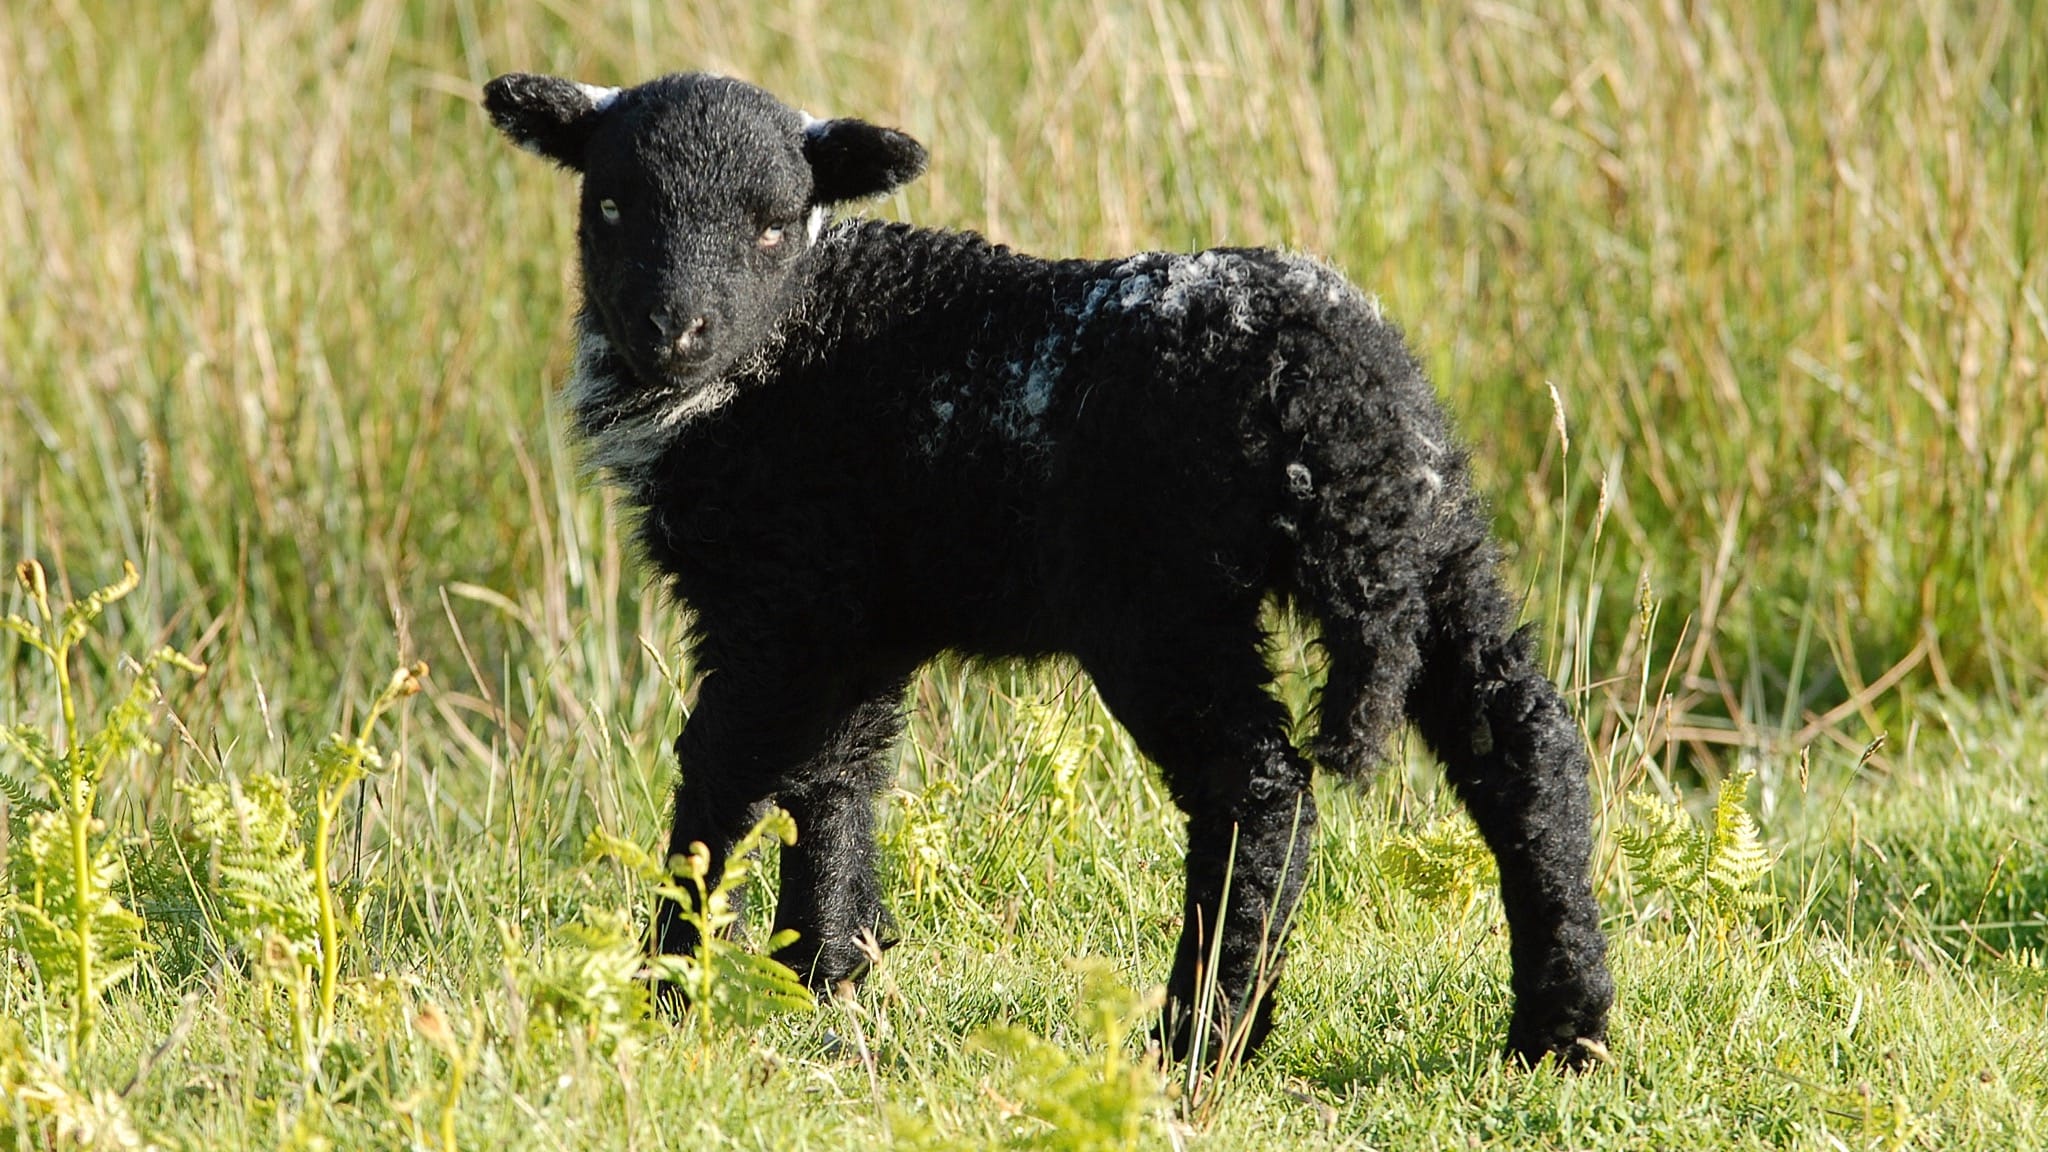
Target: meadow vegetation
(1744, 310)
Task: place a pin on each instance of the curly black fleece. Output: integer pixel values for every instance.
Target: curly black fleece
(934, 444)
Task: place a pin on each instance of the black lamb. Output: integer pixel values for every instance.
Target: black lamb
(855, 446)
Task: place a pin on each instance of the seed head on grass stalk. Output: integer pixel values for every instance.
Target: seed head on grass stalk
(64, 911)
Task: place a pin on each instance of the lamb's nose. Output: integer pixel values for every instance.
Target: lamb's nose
(685, 337)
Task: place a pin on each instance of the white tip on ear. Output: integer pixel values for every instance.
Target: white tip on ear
(812, 125)
(600, 98)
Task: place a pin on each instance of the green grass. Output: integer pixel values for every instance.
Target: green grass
(279, 318)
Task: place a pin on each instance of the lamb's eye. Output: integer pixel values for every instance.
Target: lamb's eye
(770, 236)
(609, 209)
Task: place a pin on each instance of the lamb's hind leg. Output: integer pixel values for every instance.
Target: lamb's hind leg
(1518, 761)
(1197, 705)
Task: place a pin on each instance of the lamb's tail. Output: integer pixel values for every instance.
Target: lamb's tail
(1384, 524)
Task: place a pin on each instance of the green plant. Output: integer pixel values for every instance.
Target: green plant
(266, 895)
(1718, 866)
(43, 1110)
(722, 980)
(65, 913)
(338, 765)
(1446, 862)
(432, 1024)
(282, 911)
(1052, 745)
(1050, 1099)
(922, 838)
(588, 979)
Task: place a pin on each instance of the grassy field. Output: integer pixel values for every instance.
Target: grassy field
(1745, 313)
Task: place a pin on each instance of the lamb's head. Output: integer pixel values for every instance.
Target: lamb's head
(702, 196)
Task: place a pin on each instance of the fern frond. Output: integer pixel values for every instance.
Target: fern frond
(1718, 866)
(748, 988)
(1052, 1100)
(29, 633)
(1663, 846)
(778, 823)
(266, 886)
(1445, 862)
(29, 743)
(587, 976)
(66, 916)
(1736, 861)
(47, 925)
(603, 845)
(121, 732)
(723, 980)
(28, 792)
(79, 615)
(339, 761)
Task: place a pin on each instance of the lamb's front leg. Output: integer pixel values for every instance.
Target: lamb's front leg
(830, 895)
(748, 736)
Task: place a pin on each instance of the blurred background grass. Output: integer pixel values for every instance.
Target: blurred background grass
(282, 315)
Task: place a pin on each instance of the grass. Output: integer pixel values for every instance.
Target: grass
(279, 318)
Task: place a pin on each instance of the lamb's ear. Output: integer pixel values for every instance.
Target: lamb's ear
(853, 160)
(547, 115)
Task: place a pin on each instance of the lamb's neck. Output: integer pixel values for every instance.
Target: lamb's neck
(868, 277)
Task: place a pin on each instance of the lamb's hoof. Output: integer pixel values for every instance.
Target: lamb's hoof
(671, 1002)
(836, 971)
(1576, 1054)
(1564, 1017)
(1224, 1042)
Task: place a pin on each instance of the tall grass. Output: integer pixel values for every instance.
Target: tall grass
(275, 292)
(280, 317)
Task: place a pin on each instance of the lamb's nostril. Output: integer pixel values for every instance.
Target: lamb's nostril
(692, 334)
(681, 338)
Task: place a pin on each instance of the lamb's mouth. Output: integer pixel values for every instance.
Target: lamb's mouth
(629, 435)
(674, 378)
(665, 404)
(627, 418)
